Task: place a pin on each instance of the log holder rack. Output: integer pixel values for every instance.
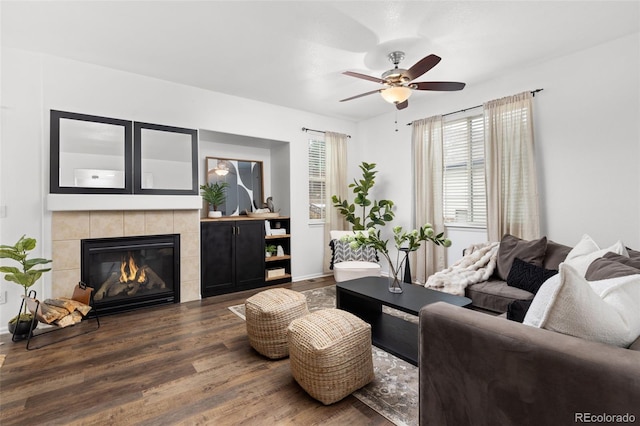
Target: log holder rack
(82, 293)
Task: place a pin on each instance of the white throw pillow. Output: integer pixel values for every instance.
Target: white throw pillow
(606, 311)
(586, 251)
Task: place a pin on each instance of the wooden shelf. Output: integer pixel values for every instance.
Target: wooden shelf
(276, 237)
(276, 258)
(277, 278)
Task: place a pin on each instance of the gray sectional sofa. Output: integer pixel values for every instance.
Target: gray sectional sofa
(495, 295)
(478, 369)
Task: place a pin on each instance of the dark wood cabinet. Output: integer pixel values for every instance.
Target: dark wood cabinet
(231, 255)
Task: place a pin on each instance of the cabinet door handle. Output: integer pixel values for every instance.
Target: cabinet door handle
(238, 228)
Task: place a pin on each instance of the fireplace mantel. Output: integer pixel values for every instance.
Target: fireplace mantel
(94, 202)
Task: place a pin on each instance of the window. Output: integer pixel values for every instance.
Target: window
(464, 183)
(317, 175)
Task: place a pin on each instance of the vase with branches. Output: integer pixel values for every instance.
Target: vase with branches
(404, 241)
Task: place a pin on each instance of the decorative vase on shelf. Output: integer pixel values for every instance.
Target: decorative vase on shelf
(214, 213)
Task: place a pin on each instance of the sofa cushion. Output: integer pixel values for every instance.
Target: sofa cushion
(586, 251)
(606, 311)
(555, 255)
(528, 276)
(511, 247)
(612, 265)
(495, 295)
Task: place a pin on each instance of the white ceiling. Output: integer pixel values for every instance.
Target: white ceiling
(292, 53)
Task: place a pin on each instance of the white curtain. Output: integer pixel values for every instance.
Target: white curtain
(512, 194)
(335, 184)
(427, 141)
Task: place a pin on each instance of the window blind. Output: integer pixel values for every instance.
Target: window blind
(464, 182)
(317, 174)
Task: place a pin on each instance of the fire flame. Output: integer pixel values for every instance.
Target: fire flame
(129, 271)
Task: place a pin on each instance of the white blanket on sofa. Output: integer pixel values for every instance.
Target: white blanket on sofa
(476, 265)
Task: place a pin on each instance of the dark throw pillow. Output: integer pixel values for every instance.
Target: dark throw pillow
(612, 265)
(511, 247)
(517, 310)
(527, 276)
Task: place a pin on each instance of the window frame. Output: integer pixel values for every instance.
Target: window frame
(319, 178)
(475, 155)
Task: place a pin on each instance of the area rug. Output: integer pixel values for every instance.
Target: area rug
(394, 391)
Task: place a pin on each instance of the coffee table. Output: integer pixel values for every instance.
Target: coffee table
(365, 297)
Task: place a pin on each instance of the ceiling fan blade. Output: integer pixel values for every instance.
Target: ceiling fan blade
(422, 66)
(363, 76)
(361, 95)
(402, 105)
(445, 86)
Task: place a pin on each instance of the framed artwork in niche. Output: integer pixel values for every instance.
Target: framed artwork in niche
(245, 192)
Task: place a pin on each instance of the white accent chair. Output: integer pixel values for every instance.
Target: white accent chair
(351, 269)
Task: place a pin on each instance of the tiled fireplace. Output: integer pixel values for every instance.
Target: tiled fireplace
(69, 228)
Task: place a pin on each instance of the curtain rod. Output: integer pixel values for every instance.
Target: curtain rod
(533, 92)
(305, 129)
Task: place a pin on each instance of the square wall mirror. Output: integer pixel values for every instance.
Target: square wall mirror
(89, 154)
(165, 160)
(246, 187)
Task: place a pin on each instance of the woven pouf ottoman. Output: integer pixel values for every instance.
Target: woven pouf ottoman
(268, 315)
(330, 354)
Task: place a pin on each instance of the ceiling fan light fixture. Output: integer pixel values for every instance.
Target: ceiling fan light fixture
(396, 95)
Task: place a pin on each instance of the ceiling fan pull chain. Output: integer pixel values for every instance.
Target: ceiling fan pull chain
(396, 120)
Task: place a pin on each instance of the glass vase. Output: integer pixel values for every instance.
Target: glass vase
(394, 282)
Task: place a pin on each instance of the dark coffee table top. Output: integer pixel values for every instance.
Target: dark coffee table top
(412, 298)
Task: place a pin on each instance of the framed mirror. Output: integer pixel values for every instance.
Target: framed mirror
(89, 154)
(246, 184)
(165, 160)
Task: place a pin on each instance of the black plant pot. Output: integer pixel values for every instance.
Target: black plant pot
(21, 329)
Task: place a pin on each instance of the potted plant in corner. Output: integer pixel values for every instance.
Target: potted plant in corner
(214, 194)
(26, 276)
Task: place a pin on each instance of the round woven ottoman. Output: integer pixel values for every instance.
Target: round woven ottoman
(330, 354)
(268, 315)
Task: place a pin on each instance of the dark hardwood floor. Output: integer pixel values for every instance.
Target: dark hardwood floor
(188, 364)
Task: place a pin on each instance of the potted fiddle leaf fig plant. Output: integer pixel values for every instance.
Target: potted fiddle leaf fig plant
(26, 275)
(214, 194)
(364, 213)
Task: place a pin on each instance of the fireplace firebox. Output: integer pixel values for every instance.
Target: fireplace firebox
(129, 273)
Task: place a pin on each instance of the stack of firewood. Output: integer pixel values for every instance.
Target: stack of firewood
(62, 311)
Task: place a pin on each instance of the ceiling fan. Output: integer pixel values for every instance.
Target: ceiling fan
(398, 84)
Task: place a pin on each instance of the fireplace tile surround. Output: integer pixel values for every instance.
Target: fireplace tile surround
(69, 227)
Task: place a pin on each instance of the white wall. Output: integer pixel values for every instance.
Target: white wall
(587, 137)
(587, 142)
(32, 84)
